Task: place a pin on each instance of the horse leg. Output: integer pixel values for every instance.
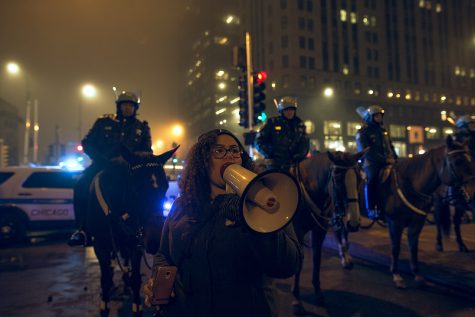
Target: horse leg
(136, 282)
(104, 257)
(439, 209)
(318, 235)
(297, 306)
(343, 248)
(413, 232)
(395, 233)
(459, 212)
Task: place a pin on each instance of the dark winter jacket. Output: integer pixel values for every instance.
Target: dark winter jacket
(283, 141)
(223, 267)
(377, 139)
(108, 132)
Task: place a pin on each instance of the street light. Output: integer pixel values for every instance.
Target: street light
(14, 69)
(88, 91)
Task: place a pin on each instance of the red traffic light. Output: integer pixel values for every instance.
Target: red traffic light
(261, 77)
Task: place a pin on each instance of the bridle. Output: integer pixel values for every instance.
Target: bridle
(339, 194)
(455, 179)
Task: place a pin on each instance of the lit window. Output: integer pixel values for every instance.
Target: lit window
(345, 70)
(366, 20)
(353, 17)
(457, 70)
(390, 94)
(373, 21)
(448, 131)
(343, 15)
(421, 3)
(438, 8)
(221, 40)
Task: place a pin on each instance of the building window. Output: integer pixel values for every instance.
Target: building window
(310, 5)
(285, 61)
(311, 63)
(447, 131)
(400, 148)
(432, 133)
(303, 81)
(352, 128)
(303, 62)
(284, 42)
(310, 25)
(302, 42)
(397, 131)
(301, 23)
(311, 81)
(334, 142)
(284, 22)
(332, 127)
(283, 4)
(285, 81)
(300, 4)
(311, 44)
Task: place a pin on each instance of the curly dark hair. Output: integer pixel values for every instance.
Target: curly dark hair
(195, 185)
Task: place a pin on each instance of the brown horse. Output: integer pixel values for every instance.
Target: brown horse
(329, 182)
(408, 193)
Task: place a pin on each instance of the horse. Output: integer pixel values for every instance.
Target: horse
(327, 180)
(407, 193)
(445, 201)
(125, 217)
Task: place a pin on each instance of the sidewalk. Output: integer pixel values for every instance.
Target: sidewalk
(450, 268)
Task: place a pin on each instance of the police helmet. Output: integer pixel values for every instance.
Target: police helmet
(466, 122)
(127, 96)
(371, 111)
(286, 103)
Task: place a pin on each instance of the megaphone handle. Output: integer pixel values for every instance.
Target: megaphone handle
(229, 189)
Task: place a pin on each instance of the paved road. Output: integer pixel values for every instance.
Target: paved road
(52, 279)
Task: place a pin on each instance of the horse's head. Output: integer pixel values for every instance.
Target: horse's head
(459, 167)
(345, 181)
(146, 189)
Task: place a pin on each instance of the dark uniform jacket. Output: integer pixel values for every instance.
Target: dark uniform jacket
(465, 135)
(103, 141)
(377, 139)
(283, 141)
(223, 268)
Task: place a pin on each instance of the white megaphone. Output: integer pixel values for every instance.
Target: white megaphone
(269, 200)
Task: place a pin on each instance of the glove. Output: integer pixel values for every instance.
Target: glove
(228, 206)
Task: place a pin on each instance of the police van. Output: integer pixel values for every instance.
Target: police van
(35, 198)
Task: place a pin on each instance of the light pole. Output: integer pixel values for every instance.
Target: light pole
(14, 69)
(88, 91)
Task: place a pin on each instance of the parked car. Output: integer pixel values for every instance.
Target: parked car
(35, 198)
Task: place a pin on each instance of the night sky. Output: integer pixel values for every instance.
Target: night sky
(62, 44)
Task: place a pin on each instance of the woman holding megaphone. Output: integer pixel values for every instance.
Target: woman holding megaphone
(222, 267)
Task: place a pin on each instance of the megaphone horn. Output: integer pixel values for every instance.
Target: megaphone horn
(261, 209)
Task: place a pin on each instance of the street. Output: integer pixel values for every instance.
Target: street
(49, 278)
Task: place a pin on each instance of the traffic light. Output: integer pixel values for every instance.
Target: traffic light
(243, 104)
(259, 86)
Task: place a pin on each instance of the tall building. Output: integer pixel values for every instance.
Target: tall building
(211, 94)
(415, 58)
(9, 133)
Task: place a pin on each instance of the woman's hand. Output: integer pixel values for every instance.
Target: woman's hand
(148, 292)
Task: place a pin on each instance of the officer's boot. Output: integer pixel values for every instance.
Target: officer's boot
(79, 237)
(371, 209)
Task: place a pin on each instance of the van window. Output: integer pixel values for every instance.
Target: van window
(4, 176)
(51, 180)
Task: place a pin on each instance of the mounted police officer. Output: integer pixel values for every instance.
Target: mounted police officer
(282, 139)
(102, 144)
(380, 154)
(464, 133)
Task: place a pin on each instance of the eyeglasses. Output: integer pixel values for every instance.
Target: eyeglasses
(220, 152)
